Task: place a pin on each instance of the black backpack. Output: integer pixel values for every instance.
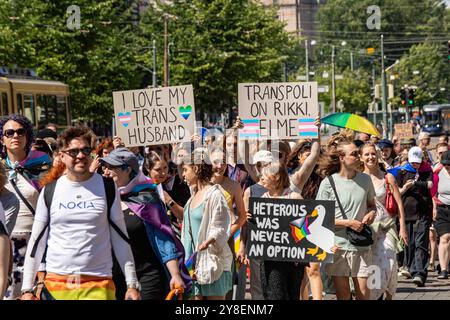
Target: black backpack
(110, 191)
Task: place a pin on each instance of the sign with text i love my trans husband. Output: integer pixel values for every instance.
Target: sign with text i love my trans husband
(155, 116)
(278, 110)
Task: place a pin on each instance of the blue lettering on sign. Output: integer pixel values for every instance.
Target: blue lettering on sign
(80, 205)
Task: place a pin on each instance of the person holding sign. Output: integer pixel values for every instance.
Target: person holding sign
(355, 208)
(280, 280)
(206, 229)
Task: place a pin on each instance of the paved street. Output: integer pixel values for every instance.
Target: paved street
(434, 289)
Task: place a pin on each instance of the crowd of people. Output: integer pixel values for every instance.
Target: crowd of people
(83, 218)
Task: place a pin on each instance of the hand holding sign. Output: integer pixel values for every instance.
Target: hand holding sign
(155, 116)
(278, 110)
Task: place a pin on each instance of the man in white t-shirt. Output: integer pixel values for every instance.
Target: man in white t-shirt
(76, 231)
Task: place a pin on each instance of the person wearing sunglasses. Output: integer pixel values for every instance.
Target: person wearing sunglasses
(80, 229)
(24, 167)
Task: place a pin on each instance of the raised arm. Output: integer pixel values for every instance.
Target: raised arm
(301, 176)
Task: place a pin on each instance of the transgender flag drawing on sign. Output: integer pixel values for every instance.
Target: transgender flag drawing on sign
(307, 128)
(251, 129)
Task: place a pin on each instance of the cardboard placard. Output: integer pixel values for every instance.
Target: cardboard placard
(278, 110)
(404, 130)
(291, 230)
(155, 116)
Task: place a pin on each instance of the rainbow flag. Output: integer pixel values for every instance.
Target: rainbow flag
(251, 129)
(299, 229)
(79, 287)
(237, 241)
(307, 128)
(190, 263)
(237, 245)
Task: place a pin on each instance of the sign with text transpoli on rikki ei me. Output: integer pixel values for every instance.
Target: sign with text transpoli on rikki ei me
(291, 230)
(155, 116)
(278, 110)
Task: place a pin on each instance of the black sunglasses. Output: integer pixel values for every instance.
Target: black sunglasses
(10, 132)
(74, 152)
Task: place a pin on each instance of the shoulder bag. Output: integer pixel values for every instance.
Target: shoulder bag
(390, 203)
(359, 239)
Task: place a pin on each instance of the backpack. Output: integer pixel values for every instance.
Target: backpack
(110, 191)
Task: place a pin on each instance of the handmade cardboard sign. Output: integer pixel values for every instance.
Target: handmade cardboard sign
(278, 110)
(291, 230)
(155, 116)
(404, 130)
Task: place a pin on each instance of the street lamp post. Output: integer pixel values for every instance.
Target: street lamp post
(307, 60)
(383, 84)
(154, 64)
(333, 82)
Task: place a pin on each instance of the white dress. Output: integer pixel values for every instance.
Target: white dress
(384, 254)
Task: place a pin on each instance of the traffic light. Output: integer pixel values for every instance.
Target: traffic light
(410, 97)
(403, 96)
(448, 50)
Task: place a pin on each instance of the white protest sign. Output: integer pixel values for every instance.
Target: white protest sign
(278, 110)
(155, 116)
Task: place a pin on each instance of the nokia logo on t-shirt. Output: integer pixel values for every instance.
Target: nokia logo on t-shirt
(79, 205)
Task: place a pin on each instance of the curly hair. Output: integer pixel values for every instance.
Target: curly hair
(346, 135)
(199, 158)
(25, 123)
(53, 174)
(330, 163)
(105, 144)
(79, 132)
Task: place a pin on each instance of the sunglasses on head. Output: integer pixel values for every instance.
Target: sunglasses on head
(74, 152)
(10, 132)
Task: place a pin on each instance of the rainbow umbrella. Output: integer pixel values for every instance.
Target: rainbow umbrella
(351, 121)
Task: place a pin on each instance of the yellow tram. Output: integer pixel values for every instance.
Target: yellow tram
(41, 101)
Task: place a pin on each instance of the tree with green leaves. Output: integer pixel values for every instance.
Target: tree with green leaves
(94, 60)
(220, 43)
(430, 60)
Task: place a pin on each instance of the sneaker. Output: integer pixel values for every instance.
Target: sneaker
(418, 281)
(443, 274)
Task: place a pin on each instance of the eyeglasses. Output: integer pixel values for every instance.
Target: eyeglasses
(9, 133)
(74, 152)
